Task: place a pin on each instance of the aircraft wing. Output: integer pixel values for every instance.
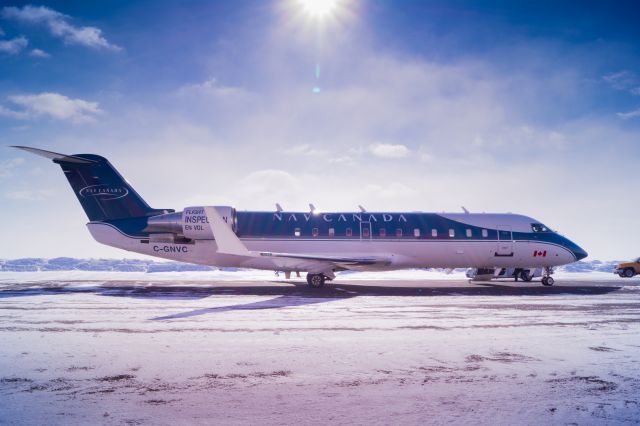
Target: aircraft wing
(319, 263)
(229, 243)
(342, 261)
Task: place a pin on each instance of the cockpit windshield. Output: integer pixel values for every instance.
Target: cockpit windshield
(538, 227)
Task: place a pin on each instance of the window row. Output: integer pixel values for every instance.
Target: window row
(366, 233)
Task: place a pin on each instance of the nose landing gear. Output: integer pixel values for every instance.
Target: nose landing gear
(546, 279)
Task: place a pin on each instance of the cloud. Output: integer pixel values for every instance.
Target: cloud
(630, 114)
(53, 105)
(13, 46)
(59, 26)
(386, 150)
(389, 192)
(623, 80)
(270, 181)
(260, 189)
(344, 160)
(38, 53)
(425, 156)
(7, 166)
(305, 150)
(210, 87)
(18, 115)
(30, 195)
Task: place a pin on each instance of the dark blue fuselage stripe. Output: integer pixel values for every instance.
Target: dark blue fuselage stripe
(389, 240)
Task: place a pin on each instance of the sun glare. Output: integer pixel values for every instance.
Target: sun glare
(319, 8)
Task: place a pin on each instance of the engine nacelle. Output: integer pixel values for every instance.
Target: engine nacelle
(191, 223)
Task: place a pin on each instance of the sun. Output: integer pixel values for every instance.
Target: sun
(319, 8)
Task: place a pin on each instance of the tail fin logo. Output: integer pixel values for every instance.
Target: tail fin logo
(104, 192)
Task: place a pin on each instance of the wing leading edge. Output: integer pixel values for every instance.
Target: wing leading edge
(229, 243)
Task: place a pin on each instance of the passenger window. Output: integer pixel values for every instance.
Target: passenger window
(469, 233)
(485, 233)
(296, 232)
(416, 233)
(434, 233)
(398, 233)
(452, 233)
(383, 232)
(332, 232)
(365, 232)
(349, 232)
(314, 232)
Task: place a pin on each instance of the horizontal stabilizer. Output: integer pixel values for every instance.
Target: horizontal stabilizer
(56, 157)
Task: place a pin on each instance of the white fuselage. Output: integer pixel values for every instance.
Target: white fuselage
(403, 253)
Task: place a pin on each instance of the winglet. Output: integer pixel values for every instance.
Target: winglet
(227, 241)
(56, 157)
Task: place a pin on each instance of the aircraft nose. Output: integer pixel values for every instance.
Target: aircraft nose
(580, 253)
(577, 251)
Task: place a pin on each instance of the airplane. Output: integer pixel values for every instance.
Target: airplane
(318, 243)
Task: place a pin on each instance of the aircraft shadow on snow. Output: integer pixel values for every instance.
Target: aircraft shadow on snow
(291, 293)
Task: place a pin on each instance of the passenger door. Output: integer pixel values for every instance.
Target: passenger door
(505, 242)
(365, 231)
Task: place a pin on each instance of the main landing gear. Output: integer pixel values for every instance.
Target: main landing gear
(546, 279)
(523, 274)
(316, 280)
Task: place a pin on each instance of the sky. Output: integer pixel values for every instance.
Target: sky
(498, 106)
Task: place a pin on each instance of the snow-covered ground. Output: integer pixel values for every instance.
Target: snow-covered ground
(35, 264)
(421, 348)
(256, 275)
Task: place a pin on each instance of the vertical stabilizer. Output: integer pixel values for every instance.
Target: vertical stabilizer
(103, 193)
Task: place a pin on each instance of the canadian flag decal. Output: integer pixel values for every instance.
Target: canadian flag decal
(537, 253)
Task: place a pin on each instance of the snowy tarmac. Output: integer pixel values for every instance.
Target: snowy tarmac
(259, 351)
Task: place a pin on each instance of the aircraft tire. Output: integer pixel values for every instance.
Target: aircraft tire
(526, 276)
(315, 280)
(628, 273)
(547, 281)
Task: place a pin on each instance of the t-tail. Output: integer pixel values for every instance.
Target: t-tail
(103, 193)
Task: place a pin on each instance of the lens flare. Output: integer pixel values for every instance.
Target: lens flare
(319, 8)
(321, 23)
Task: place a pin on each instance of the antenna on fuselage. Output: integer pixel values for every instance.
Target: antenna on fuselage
(362, 209)
(465, 210)
(312, 208)
(278, 207)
